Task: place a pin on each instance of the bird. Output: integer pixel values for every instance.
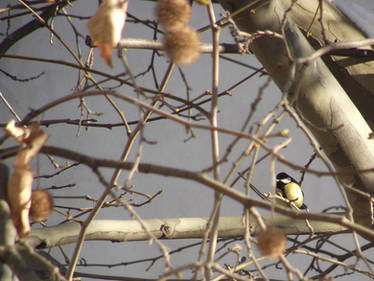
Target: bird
(289, 188)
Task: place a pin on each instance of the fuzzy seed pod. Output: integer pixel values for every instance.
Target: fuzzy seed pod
(182, 45)
(41, 205)
(272, 242)
(173, 13)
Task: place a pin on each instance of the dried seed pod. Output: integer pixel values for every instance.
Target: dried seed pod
(272, 242)
(182, 45)
(31, 139)
(173, 13)
(41, 205)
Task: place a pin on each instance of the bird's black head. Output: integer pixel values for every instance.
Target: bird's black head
(282, 176)
(283, 179)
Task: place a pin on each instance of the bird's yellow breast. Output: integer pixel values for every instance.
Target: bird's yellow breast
(292, 192)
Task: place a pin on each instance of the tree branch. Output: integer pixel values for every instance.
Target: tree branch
(139, 43)
(168, 228)
(31, 26)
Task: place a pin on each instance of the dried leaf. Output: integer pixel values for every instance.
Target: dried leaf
(105, 26)
(203, 2)
(105, 51)
(32, 143)
(20, 184)
(17, 132)
(19, 198)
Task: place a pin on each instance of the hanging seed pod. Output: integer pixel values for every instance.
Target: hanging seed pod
(182, 45)
(173, 13)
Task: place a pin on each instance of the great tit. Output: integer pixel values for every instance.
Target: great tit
(289, 188)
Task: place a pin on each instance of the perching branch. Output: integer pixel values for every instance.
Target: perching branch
(169, 228)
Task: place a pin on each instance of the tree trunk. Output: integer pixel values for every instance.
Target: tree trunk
(331, 115)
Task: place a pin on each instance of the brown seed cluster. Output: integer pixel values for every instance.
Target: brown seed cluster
(182, 45)
(181, 42)
(272, 242)
(41, 205)
(173, 13)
